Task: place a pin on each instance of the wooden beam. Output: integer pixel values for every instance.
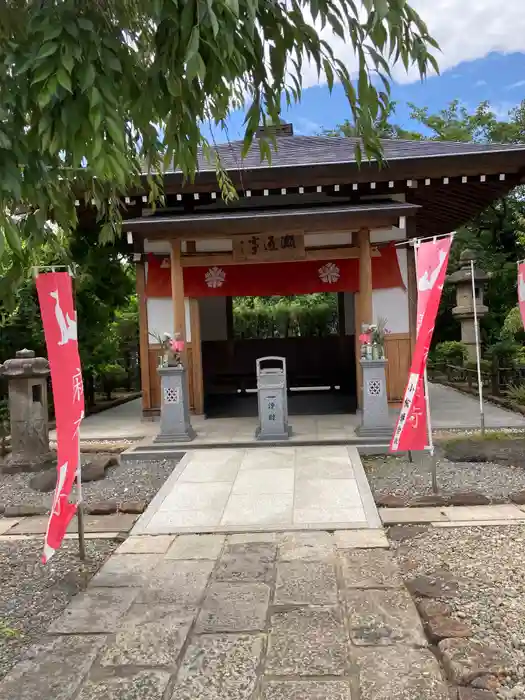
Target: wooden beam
(198, 381)
(140, 273)
(177, 294)
(226, 258)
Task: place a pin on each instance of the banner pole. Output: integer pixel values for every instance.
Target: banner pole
(80, 511)
(435, 487)
(478, 353)
(80, 503)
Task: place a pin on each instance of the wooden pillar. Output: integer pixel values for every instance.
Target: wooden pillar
(177, 294)
(365, 276)
(140, 273)
(412, 295)
(363, 300)
(198, 382)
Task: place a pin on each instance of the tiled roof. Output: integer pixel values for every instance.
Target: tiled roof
(320, 150)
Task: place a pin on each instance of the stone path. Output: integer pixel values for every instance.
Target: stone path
(242, 490)
(450, 409)
(295, 616)
(455, 516)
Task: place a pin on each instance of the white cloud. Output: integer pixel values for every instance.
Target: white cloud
(465, 29)
(518, 84)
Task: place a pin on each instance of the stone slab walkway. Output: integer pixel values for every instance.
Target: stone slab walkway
(242, 490)
(295, 616)
(450, 409)
(455, 516)
(37, 525)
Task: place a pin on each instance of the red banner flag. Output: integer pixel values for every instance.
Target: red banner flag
(521, 290)
(55, 294)
(431, 266)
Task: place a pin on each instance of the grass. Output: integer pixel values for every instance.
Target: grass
(489, 436)
(8, 632)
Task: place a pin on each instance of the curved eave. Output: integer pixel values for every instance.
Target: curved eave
(342, 217)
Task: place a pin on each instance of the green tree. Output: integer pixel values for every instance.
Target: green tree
(94, 93)
(497, 234)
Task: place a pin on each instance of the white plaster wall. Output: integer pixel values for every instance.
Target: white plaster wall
(392, 304)
(160, 317)
(213, 318)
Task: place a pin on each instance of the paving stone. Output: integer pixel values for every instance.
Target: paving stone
(439, 584)
(399, 673)
(44, 481)
(429, 608)
(142, 685)
(465, 660)
(441, 627)
(253, 561)
(383, 617)
(196, 547)
(22, 511)
(307, 641)
(96, 611)
(305, 583)
(305, 545)
(135, 507)
(101, 508)
(429, 500)
(178, 582)
(395, 516)
(127, 570)
(150, 636)
(475, 694)
(219, 667)
(52, 670)
(306, 690)
(118, 522)
(245, 537)
(360, 539)
(468, 498)
(401, 533)
(96, 468)
(234, 607)
(390, 500)
(474, 513)
(518, 497)
(370, 568)
(6, 524)
(146, 544)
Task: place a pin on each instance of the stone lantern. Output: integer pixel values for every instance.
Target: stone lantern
(28, 409)
(464, 309)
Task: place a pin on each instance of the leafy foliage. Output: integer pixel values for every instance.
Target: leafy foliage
(451, 352)
(94, 94)
(497, 235)
(517, 393)
(282, 317)
(107, 314)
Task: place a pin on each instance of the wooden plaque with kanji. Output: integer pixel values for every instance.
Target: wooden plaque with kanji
(268, 246)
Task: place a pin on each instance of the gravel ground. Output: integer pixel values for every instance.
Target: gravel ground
(127, 482)
(396, 475)
(33, 595)
(489, 564)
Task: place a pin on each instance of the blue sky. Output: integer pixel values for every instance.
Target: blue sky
(482, 58)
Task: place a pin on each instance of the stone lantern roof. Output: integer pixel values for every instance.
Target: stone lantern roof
(463, 274)
(24, 366)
